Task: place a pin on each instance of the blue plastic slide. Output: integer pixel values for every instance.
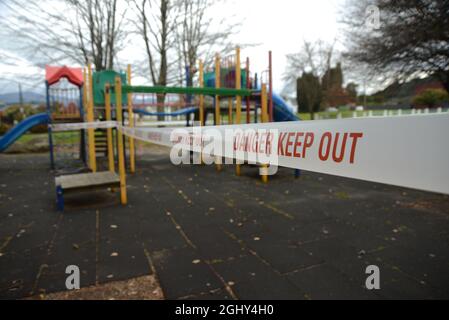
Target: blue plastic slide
(281, 110)
(181, 112)
(15, 133)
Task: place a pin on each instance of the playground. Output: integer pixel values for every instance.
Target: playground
(108, 198)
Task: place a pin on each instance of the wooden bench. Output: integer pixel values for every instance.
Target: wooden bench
(76, 182)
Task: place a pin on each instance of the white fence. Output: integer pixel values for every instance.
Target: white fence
(379, 113)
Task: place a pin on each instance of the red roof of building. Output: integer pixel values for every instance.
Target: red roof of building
(73, 75)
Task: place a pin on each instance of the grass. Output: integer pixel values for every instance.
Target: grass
(31, 136)
(68, 137)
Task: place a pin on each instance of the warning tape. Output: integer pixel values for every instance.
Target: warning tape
(408, 151)
(84, 125)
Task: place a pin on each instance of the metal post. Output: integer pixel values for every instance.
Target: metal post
(50, 133)
(132, 152)
(121, 149)
(217, 102)
(248, 102)
(264, 118)
(90, 118)
(201, 75)
(270, 83)
(107, 92)
(82, 131)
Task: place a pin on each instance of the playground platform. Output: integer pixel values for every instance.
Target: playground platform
(209, 235)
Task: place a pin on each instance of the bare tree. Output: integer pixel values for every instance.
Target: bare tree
(314, 57)
(156, 24)
(411, 39)
(66, 31)
(200, 34)
(307, 68)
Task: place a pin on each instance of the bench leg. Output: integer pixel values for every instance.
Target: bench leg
(59, 198)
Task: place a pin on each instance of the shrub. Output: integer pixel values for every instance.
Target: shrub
(39, 129)
(4, 128)
(430, 98)
(15, 113)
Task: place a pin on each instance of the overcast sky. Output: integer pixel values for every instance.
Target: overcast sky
(277, 25)
(281, 26)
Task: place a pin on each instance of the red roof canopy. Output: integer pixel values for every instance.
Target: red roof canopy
(73, 75)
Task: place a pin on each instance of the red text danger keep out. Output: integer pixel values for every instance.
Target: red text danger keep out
(337, 147)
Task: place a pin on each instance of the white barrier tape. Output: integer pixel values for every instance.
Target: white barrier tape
(83, 125)
(409, 152)
(160, 136)
(149, 124)
(404, 151)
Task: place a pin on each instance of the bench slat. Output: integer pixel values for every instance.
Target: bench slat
(87, 180)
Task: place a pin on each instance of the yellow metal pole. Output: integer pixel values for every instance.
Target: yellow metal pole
(265, 118)
(132, 154)
(230, 106)
(217, 85)
(90, 118)
(238, 85)
(264, 102)
(84, 90)
(107, 91)
(202, 120)
(201, 75)
(121, 150)
(230, 120)
(217, 98)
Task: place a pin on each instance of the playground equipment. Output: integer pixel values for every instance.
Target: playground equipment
(21, 128)
(65, 105)
(65, 119)
(351, 148)
(87, 113)
(228, 74)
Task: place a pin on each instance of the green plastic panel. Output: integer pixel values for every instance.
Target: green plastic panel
(187, 90)
(100, 79)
